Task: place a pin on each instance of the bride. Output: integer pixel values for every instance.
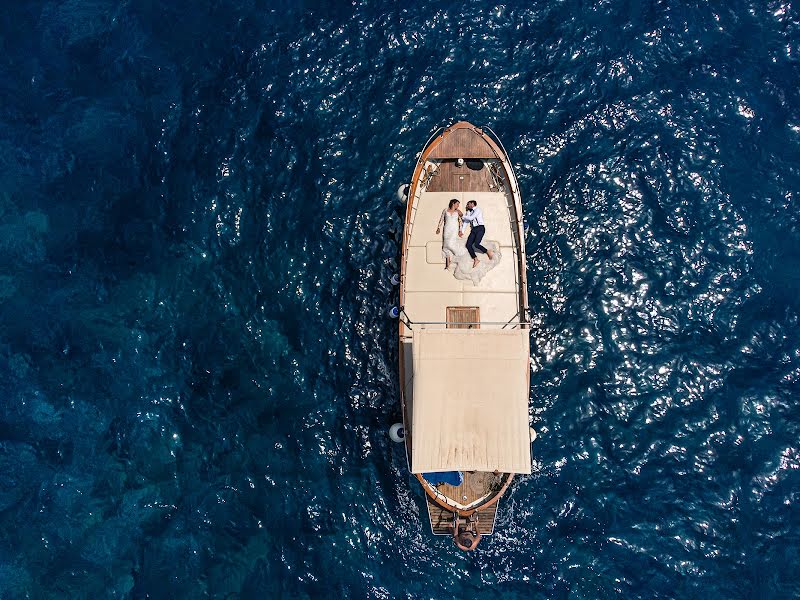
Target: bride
(452, 246)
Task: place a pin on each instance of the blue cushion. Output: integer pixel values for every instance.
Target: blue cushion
(454, 478)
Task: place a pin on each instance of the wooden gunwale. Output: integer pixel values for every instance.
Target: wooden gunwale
(412, 192)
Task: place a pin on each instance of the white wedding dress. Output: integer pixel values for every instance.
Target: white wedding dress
(455, 248)
(452, 245)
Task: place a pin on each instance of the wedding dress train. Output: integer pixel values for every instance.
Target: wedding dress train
(464, 269)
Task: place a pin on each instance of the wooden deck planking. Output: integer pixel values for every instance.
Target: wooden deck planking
(486, 519)
(463, 317)
(463, 143)
(441, 519)
(451, 178)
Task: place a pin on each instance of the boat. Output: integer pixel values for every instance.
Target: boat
(464, 348)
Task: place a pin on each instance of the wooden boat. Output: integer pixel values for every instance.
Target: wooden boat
(464, 348)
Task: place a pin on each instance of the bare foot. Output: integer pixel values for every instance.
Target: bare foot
(490, 253)
(475, 262)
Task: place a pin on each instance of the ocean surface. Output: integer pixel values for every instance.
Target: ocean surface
(198, 225)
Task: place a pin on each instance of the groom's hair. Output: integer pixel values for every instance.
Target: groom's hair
(472, 202)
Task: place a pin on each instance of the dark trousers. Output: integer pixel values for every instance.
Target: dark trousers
(474, 240)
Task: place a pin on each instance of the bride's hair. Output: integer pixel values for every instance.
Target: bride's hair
(452, 202)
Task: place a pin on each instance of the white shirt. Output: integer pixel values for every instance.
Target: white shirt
(473, 216)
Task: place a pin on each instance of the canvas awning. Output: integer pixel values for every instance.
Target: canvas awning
(470, 408)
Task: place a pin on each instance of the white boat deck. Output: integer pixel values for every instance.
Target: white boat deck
(429, 289)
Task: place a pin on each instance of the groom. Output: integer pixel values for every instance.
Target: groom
(474, 216)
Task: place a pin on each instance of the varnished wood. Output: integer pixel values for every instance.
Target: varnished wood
(486, 517)
(457, 316)
(463, 142)
(452, 178)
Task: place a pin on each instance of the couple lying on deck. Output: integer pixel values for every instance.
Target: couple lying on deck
(454, 247)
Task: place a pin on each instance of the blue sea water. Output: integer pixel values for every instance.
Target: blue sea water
(198, 224)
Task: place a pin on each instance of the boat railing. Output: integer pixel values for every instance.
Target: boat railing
(424, 178)
(510, 324)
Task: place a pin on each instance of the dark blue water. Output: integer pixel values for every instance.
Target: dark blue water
(197, 224)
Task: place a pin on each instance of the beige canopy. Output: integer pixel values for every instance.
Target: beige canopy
(470, 409)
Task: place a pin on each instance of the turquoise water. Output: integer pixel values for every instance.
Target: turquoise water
(199, 227)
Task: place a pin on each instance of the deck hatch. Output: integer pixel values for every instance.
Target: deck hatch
(463, 317)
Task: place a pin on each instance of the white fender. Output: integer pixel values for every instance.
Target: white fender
(402, 192)
(397, 432)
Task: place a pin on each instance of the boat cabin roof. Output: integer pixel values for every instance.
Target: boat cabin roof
(470, 401)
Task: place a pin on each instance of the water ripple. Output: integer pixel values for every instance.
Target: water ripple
(200, 228)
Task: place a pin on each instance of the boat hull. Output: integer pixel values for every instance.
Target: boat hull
(428, 299)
